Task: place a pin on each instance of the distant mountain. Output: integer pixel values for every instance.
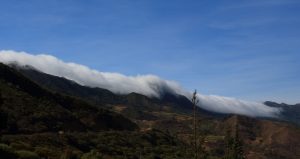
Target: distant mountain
(134, 105)
(289, 113)
(28, 108)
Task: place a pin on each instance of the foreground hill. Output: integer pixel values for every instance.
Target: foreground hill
(54, 117)
(265, 139)
(38, 123)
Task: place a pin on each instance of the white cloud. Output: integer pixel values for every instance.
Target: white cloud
(149, 85)
(236, 106)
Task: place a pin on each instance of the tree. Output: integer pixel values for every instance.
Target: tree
(1, 99)
(234, 146)
(3, 116)
(238, 145)
(228, 144)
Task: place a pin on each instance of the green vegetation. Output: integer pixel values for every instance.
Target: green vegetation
(7, 152)
(93, 154)
(23, 154)
(108, 144)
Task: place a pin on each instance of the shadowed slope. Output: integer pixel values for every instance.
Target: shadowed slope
(28, 108)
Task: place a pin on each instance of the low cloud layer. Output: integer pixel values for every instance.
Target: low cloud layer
(149, 85)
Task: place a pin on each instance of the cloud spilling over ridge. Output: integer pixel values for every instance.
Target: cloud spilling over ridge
(149, 85)
(235, 106)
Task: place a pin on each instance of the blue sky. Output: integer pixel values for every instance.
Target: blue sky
(243, 49)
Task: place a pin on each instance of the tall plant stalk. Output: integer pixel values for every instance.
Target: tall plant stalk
(195, 101)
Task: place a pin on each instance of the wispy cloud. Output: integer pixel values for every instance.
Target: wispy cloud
(150, 85)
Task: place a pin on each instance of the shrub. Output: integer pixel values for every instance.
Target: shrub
(20, 146)
(7, 152)
(92, 155)
(44, 152)
(23, 154)
(68, 154)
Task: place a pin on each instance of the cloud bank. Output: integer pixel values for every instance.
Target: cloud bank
(149, 85)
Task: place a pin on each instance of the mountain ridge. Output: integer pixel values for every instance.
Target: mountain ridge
(95, 94)
(104, 97)
(290, 113)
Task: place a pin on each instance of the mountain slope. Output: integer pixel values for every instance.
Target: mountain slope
(266, 139)
(28, 108)
(38, 123)
(170, 114)
(97, 96)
